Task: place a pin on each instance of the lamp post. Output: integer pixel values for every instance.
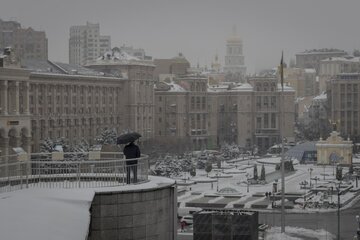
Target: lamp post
(217, 181)
(338, 211)
(247, 182)
(310, 170)
(358, 228)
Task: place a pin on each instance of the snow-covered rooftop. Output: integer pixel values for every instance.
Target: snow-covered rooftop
(46, 66)
(322, 96)
(310, 70)
(342, 59)
(118, 56)
(176, 87)
(227, 87)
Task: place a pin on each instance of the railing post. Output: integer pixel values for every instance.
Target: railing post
(78, 174)
(21, 175)
(27, 175)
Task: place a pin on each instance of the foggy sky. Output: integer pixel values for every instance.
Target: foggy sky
(198, 28)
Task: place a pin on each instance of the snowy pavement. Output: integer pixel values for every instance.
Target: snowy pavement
(322, 177)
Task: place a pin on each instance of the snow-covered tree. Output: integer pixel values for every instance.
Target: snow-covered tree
(351, 169)
(262, 175)
(48, 145)
(208, 168)
(169, 166)
(339, 175)
(193, 171)
(107, 136)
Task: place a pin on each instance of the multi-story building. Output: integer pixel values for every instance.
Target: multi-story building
(139, 105)
(54, 100)
(332, 66)
(182, 111)
(312, 58)
(343, 101)
(302, 80)
(26, 42)
(247, 114)
(234, 59)
(86, 44)
(273, 112)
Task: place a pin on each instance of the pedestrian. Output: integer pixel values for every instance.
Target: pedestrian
(182, 223)
(131, 151)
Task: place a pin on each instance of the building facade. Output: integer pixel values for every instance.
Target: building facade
(330, 67)
(246, 114)
(302, 80)
(312, 58)
(26, 42)
(178, 65)
(139, 97)
(56, 100)
(343, 101)
(86, 44)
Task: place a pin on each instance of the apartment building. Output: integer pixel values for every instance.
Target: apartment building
(343, 100)
(303, 81)
(26, 42)
(312, 58)
(86, 44)
(332, 66)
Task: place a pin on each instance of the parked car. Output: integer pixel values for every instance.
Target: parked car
(188, 219)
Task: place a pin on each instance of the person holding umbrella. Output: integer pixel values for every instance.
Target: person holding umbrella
(131, 151)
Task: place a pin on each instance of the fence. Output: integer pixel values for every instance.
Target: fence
(74, 170)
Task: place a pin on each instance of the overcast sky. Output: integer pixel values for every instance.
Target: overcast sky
(198, 28)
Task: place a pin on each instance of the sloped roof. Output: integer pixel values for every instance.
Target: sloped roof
(298, 150)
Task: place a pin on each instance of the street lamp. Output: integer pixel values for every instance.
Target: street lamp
(316, 179)
(358, 228)
(310, 170)
(338, 211)
(247, 182)
(217, 181)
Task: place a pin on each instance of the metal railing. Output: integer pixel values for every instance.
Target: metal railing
(75, 170)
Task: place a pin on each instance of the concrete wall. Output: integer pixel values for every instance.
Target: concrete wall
(136, 214)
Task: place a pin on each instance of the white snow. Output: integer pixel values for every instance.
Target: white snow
(176, 88)
(295, 233)
(56, 214)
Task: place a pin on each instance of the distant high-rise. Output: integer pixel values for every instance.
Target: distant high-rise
(234, 60)
(86, 44)
(26, 42)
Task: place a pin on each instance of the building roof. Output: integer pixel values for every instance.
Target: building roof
(342, 59)
(46, 66)
(298, 150)
(118, 56)
(322, 51)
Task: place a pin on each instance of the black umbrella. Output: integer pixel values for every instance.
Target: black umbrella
(127, 137)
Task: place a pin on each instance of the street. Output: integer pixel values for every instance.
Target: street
(326, 221)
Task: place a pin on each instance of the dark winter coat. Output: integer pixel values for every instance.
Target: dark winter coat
(131, 151)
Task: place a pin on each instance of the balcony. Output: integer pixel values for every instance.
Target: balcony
(69, 170)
